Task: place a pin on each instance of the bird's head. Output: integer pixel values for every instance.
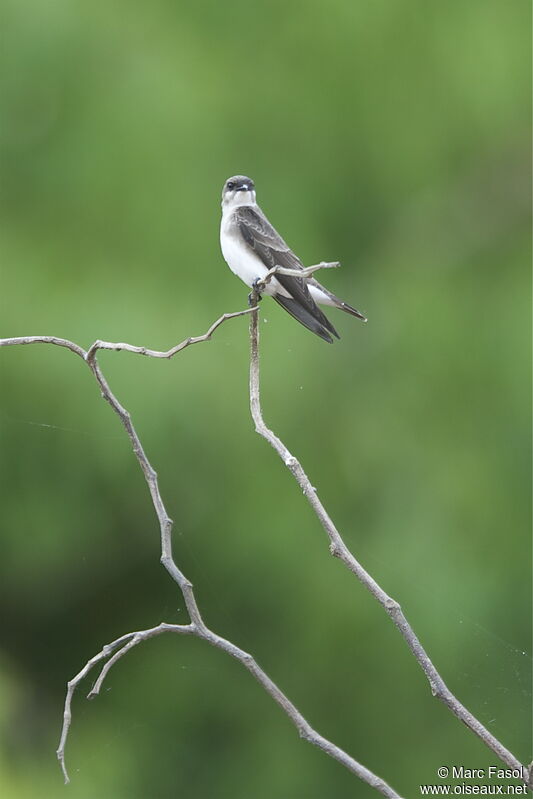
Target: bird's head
(238, 190)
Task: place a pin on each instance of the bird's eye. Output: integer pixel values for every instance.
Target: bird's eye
(231, 185)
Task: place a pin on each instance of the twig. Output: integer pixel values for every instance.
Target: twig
(305, 272)
(118, 648)
(339, 550)
(107, 345)
(71, 687)
(126, 642)
(59, 342)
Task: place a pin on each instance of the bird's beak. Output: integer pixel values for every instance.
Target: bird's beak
(244, 187)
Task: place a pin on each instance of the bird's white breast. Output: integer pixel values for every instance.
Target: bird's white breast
(242, 261)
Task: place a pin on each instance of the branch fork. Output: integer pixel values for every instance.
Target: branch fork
(112, 652)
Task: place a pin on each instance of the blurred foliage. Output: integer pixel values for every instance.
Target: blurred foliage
(392, 136)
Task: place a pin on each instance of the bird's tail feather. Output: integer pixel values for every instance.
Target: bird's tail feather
(343, 306)
(326, 297)
(302, 315)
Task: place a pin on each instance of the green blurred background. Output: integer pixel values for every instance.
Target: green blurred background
(393, 136)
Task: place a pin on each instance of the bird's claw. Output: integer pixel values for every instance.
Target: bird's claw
(255, 295)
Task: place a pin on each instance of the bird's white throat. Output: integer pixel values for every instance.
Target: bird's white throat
(234, 199)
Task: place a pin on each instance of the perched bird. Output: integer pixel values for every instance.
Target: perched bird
(251, 246)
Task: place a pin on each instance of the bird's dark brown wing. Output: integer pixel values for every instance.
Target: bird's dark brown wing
(266, 242)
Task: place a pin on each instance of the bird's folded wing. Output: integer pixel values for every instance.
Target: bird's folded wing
(266, 242)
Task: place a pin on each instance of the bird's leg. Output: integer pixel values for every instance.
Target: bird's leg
(255, 295)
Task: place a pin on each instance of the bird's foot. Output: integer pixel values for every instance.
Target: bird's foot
(255, 295)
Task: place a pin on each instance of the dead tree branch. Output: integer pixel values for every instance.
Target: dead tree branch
(112, 652)
(339, 550)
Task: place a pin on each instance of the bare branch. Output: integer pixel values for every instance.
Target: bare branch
(307, 271)
(126, 642)
(118, 648)
(107, 345)
(112, 652)
(165, 522)
(59, 342)
(71, 687)
(339, 550)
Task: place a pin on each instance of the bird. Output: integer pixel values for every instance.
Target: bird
(251, 246)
